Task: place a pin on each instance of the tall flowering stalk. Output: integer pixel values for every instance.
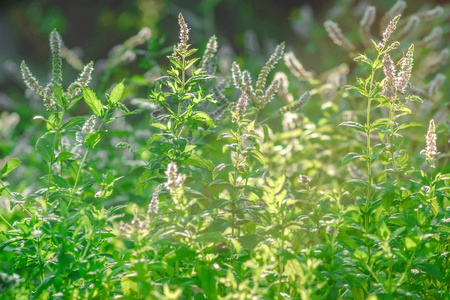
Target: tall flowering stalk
(394, 85)
(369, 89)
(260, 95)
(55, 99)
(430, 151)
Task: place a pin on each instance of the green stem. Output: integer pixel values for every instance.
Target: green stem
(82, 162)
(391, 149)
(15, 198)
(368, 151)
(55, 141)
(78, 176)
(235, 194)
(7, 223)
(50, 164)
(280, 258)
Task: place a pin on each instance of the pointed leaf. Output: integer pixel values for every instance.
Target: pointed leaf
(64, 156)
(350, 157)
(354, 125)
(9, 166)
(73, 122)
(93, 102)
(202, 116)
(92, 139)
(45, 149)
(406, 125)
(116, 93)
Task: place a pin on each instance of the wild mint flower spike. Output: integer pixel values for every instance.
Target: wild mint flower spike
(30, 81)
(283, 91)
(270, 93)
(207, 64)
(410, 27)
(273, 60)
(389, 89)
(366, 24)
(143, 35)
(83, 80)
(396, 9)
(388, 31)
(432, 14)
(431, 39)
(435, 84)
(295, 66)
(47, 93)
(241, 105)
(174, 180)
(236, 75)
(153, 207)
(394, 83)
(335, 33)
(430, 151)
(88, 127)
(404, 74)
(49, 97)
(183, 45)
(55, 47)
(304, 98)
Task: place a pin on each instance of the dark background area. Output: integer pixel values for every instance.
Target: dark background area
(250, 28)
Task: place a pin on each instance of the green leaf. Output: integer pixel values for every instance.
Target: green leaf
(434, 206)
(45, 149)
(202, 116)
(9, 166)
(43, 286)
(191, 62)
(360, 254)
(96, 175)
(251, 126)
(116, 93)
(208, 281)
(256, 154)
(210, 237)
(377, 150)
(377, 64)
(357, 182)
(129, 286)
(160, 126)
(350, 157)
(74, 101)
(73, 122)
(93, 138)
(59, 96)
(59, 181)
(431, 270)
(354, 125)
(410, 243)
(93, 102)
(379, 122)
(219, 182)
(406, 125)
(64, 156)
(386, 200)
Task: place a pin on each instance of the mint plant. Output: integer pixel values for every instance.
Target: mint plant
(297, 185)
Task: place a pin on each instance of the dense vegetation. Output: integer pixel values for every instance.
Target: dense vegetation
(231, 179)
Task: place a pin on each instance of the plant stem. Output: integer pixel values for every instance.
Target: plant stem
(7, 223)
(50, 164)
(391, 150)
(82, 163)
(15, 198)
(55, 141)
(368, 150)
